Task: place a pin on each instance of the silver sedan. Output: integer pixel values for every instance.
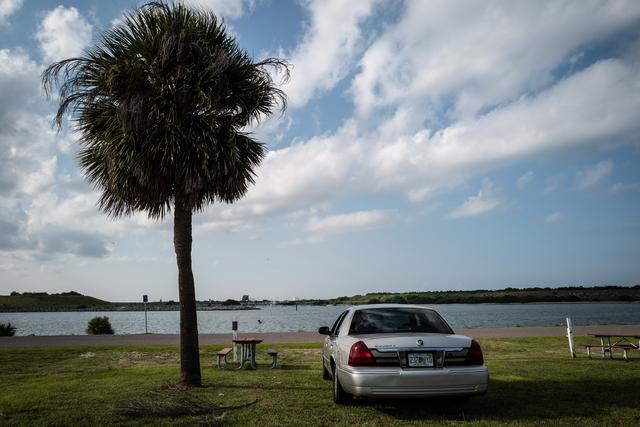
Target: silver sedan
(394, 350)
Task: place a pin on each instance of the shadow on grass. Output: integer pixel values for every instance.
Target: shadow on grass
(521, 400)
(266, 367)
(262, 386)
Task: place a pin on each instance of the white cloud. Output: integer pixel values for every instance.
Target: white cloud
(63, 33)
(553, 182)
(19, 82)
(591, 175)
(525, 179)
(554, 217)
(488, 199)
(593, 107)
(227, 8)
(8, 8)
(349, 222)
(42, 214)
(326, 53)
(620, 187)
(395, 154)
(25, 157)
(481, 54)
(321, 227)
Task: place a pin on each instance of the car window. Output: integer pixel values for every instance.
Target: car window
(336, 325)
(390, 320)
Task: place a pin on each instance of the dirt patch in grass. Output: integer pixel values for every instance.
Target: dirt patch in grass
(172, 400)
(137, 358)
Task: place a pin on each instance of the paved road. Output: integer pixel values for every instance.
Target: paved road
(280, 337)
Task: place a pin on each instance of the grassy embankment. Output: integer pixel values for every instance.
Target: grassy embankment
(74, 301)
(533, 382)
(507, 295)
(42, 301)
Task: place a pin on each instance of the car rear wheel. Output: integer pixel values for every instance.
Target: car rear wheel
(340, 396)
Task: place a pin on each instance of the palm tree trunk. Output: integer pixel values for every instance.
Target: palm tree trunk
(189, 349)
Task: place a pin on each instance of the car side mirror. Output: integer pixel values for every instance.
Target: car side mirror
(324, 330)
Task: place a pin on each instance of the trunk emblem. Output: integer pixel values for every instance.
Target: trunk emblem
(420, 343)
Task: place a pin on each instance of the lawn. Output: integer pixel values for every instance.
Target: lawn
(533, 382)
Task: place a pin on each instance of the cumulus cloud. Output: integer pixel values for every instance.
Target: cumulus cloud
(8, 8)
(591, 175)
(554, 217)
(567, 116)
(34, 217)
(25, 157)
(481, 54)
(326, 53)
(488, 199)
(19, 82)
(63, 33)
(349, 222)
(501, 106)
(525, 179)
(321, 227)
(65, 241)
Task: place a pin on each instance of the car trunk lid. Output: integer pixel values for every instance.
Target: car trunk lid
(393, 349)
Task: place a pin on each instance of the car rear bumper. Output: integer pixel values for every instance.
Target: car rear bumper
(397, 382)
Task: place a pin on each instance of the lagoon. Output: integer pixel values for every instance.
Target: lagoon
(309, 318)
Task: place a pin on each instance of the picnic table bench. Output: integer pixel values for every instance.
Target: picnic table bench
(274, 357)
(608, 349)
(223, 353)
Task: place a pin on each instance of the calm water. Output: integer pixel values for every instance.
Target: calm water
(309, 318)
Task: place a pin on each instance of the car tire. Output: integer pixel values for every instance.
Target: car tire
(340, 396)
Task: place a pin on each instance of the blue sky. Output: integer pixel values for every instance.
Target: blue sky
(428, 145)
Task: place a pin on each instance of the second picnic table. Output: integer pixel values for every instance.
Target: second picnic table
(621, 341)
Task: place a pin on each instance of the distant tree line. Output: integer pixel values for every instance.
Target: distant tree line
(480, 296)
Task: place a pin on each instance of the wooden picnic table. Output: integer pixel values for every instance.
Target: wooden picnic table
(621, 340)
(248, 353)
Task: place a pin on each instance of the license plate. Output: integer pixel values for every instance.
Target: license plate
(420, 360)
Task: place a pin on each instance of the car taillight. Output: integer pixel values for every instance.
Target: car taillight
(474, 355)
(360, 355)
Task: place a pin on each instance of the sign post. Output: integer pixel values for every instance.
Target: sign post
(234, 336)
(145, 298)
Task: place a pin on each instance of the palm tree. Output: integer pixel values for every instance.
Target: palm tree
(160, 103)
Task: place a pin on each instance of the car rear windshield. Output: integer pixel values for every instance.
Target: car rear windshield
(390, 320)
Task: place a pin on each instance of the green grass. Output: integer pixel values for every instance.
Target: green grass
(533, 382)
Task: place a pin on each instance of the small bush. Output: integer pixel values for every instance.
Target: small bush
(99, 326)
(7, 330)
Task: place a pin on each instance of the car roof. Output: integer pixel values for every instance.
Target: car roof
(367, 306)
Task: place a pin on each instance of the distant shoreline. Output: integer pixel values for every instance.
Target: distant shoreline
(124, 309)
(245, 308)
(74, 301)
